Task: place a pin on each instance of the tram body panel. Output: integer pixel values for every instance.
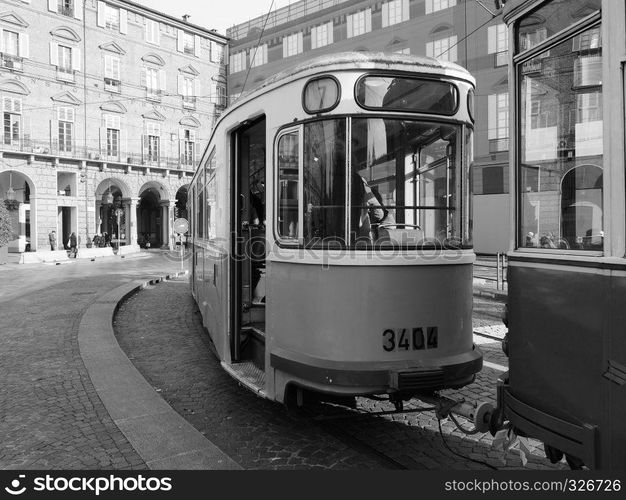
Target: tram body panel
(365, 302)
(565, 328)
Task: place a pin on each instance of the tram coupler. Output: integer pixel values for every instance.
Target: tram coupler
(479, 414)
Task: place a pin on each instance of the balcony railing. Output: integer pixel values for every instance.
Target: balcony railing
(498, 145)
(501, 58)
(66, 11)
(112, 85)
(52, 149)
(11, 62)
(65, 74)
(189, 102)
(153, 95)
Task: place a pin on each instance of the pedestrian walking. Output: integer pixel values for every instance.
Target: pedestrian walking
(52, 237)
(73, 245)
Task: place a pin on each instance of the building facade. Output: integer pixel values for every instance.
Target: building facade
(461, 31)
(106, 108)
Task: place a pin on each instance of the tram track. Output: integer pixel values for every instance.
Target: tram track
(329, 425)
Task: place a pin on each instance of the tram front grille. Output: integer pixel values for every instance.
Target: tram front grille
(418, 380)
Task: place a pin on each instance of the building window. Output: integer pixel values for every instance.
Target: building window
(112, 17)
(65, 7)
(589, 107)
(112, 126)
(220, 90)
(237, 62)
(498, 122)
(292, 45)
(112, 78)
(66, 129)
(152, 31)
(435, 5)
(14, 48)
(152, 141)
(498, 43)
(444, 49)
(359, 23)
(188, 147)
(258, 56)
(189, 46)
(188, 91)
(12, 120)
(65, 63)
(153, 80)
(493, 180)
(322, 35)
(217, 53)
(395, 11)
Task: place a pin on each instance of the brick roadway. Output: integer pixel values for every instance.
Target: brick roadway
(161, 331)
(50, 414)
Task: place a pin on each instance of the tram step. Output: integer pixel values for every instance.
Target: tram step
(249, 375)
(254, 346)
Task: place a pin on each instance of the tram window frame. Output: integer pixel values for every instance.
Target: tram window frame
(327, 108)
(423, 78)
(299, 239)
(553, 241)
(460, 213)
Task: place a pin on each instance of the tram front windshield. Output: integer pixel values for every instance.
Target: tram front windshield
(406, 187)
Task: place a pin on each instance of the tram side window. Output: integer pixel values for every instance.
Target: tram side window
(200, 212)
(561, 138)
(324, 183)
(288, 172)
(211, 196)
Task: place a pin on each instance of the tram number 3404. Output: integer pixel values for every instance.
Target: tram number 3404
(410, 339)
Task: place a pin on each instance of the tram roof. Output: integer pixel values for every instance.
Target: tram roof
(362, 61)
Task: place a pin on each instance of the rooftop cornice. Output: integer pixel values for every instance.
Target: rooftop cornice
(178, 23)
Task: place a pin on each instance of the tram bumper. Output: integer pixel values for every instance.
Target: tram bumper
(360, 378)
(575, 440)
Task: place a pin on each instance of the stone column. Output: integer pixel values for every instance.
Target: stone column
(172, 240)
(132, 220)
(97, 225)
(164, 224)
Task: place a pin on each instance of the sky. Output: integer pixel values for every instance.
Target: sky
(215, 14)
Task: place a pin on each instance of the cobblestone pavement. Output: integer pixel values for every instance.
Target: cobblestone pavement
(50, 414)
(172, 351)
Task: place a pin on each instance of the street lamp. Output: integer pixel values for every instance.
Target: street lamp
(10, 191)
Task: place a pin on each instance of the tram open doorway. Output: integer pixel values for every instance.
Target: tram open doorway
(248, 207)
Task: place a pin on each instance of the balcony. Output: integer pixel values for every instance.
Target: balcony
(189, 102)
(112, 85)
(51, 149)
(66, 74)
(67, 11)
(501, 59)
(498, 145)
(153, 95)
(13, 63)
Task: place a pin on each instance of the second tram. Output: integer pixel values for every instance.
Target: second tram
(331, 226)
(567, 271)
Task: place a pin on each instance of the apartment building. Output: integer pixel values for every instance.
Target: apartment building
(461, 31)
(106, 108)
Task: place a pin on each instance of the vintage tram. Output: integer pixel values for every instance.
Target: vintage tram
(331, 230)
(566, 342)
